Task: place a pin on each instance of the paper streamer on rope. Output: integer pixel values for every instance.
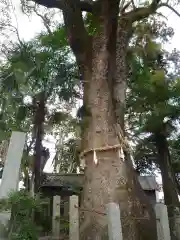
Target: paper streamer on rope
(104, 148)
(121, 153)
(95, 160)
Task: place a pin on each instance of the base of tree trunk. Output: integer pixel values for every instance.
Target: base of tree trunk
(174, 222)
(169, 185)
(113, 180)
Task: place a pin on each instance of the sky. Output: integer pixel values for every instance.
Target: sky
(29, 27)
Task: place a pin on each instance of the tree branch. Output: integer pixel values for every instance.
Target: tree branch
(133, 4)
(76, 32)
(171, 8)
(44, 19)
(141, 12)
(84, 5)
(123, 9)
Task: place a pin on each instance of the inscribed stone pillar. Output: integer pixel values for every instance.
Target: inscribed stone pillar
(114, 221)
(74, 218)
(56, 216)
(10, 177)
(163, 230)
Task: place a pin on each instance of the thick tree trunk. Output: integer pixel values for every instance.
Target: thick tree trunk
(119, 100)
(109, 177)
(169, 185)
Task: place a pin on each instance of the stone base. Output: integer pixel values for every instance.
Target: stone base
(4, 221)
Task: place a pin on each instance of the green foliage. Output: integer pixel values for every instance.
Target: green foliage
(41, 65)
(22, 205)
(145, 156)
(58, 117)
(69, 156)
(22, 113)
(91, 24)
(153, 96)
(56, 40)
(153, 91)
(67, 145)
(44, 64)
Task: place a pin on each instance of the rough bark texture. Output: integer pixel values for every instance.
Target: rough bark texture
(169, 185)
(124, 33)
(111, 178)
(27, 182)
(136, 194)
(39, 117)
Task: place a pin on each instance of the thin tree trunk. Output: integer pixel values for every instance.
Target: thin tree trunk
(27, 178)
(39, 132)
(27, 181)
(39, 117)
(169, 185)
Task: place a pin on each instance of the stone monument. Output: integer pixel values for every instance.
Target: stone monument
(11, 173)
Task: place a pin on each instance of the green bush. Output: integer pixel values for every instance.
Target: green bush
(22, 206)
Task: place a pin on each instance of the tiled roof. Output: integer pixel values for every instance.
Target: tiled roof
(148, 183)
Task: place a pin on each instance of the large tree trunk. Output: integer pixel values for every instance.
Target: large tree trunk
(119, 100)
(108, 176)
(169, 185)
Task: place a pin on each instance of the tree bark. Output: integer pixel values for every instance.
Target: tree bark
(109, 178)
(27, 181)
(39, 117)
(169, 185)
(124, 34)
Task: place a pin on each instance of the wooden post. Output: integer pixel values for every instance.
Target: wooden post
(56, 216)
(114, 221)
(74, 218)
(163, 230)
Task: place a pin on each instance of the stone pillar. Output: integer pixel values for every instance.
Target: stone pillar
(56, 216)
(74, 218)
(10, 177)
(163, 230)
(114, 221)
